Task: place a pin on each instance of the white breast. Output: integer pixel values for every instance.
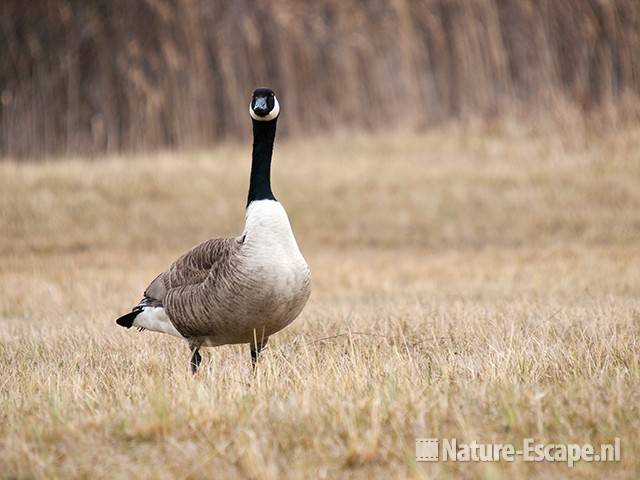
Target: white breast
(272, 258)
(268, 234)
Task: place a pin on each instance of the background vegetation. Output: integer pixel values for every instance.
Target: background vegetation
(107, 76)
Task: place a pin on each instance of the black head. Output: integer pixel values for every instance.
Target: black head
(264, 105)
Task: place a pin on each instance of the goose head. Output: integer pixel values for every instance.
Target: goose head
(264, 105)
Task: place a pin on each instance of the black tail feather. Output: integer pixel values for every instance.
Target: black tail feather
(127, 320)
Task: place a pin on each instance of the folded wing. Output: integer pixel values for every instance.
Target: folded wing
(188, 287)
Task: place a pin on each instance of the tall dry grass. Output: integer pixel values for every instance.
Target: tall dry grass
(96, 77)
(471, 284)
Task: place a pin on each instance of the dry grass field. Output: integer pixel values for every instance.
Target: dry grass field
(470, 283)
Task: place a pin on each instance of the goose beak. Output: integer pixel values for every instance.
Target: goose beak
(260, 106)
(264, 108)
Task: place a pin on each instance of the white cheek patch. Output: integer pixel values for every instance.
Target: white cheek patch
(272, 114)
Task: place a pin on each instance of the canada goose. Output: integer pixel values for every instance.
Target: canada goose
(234, 290)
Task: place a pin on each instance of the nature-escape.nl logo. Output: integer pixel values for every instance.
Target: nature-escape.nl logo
(450, 450)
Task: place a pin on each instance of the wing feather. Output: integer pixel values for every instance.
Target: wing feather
(180, 289)
(193, 267)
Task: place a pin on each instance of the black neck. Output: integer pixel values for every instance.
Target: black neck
(264, 134)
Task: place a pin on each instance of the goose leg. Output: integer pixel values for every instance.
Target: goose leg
(256, 348)
(196, 358)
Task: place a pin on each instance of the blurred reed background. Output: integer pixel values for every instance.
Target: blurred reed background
(94, 77)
